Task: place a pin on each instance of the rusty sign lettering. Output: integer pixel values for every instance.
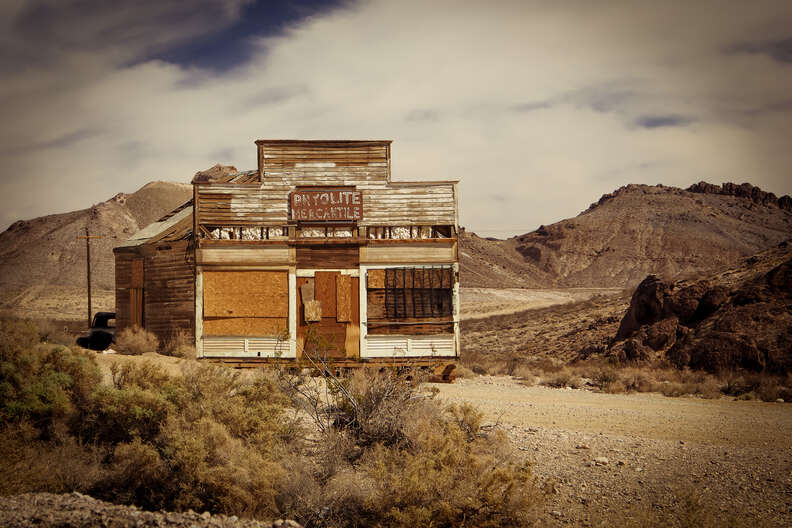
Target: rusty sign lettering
(332, 205)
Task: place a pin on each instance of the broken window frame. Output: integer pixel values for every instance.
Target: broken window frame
(409, 295)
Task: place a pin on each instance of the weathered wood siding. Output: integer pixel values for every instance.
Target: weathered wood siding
(328, 257)
(169, 291)
(325, 163)
(244, 256)
(419, 253)
(410, 204)
(235, 204)
(123, 281)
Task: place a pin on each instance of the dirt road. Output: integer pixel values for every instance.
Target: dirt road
(485, 302)
(610, 457)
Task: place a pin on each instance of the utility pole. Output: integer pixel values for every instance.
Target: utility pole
(88, 238)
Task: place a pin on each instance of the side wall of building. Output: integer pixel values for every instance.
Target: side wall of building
(169, 290)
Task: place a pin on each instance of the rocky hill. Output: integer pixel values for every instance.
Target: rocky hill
(630, 233)
(740, 318)
(42, 261)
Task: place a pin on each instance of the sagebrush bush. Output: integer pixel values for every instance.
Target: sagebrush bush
(134, 341)
(41, 383)
(60, 464)
(181, 344)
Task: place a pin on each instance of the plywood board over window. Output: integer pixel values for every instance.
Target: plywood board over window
(245, 303)
(326, 291)
(343, 298)
(246, 294)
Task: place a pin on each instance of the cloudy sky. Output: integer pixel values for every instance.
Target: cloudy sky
(539, 107)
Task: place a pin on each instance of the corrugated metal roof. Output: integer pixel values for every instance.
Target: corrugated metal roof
(156, 228)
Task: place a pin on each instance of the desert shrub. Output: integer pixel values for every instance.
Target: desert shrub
(464, 372)
(40, 383)
(373, 405)
(181, 344)
(134, 341)
(60, 464)
(562, 378)
(446, 479)
(115, 415)
(52, 332)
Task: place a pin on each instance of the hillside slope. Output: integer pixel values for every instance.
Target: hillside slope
(42, 261)
(630, 233)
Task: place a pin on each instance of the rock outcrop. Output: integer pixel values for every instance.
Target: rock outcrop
(741, 318)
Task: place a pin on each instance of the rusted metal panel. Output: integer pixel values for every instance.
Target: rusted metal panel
(327, 205)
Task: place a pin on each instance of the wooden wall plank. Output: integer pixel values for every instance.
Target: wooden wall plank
(352, 342)
(326, 292)
(262, 256)
(442, 253)
(168, 291)
(136, 273)
(328, 257)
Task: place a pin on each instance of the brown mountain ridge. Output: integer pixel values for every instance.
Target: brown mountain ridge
(635, 231)
(630, 233)
(42, 261)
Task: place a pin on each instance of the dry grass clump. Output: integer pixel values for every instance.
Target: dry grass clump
(181, 344)
(562, 378)
(134, 341)
(464, 372)
(612, 377)
(52, 332)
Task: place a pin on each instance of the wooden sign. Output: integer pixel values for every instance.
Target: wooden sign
(327, 205)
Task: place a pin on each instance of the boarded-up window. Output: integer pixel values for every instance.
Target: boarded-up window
(245, 303)
(408, 293)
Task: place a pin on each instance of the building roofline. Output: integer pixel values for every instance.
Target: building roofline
(324, 142)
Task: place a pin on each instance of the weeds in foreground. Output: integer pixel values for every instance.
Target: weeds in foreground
(181, 344)
(214, 439)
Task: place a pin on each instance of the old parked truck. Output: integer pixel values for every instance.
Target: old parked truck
(101, 334)
(317, 241)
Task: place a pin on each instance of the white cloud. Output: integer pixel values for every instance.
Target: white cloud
(537, 109)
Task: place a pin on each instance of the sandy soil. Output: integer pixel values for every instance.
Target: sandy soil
(736, 456)
(478, 303)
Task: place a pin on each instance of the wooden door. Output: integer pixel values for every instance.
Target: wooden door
(136, 294)
(336, 334)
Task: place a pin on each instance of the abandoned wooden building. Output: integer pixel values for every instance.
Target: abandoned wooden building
(318, 241)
